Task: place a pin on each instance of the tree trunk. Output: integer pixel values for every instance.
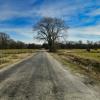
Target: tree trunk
(52, 46)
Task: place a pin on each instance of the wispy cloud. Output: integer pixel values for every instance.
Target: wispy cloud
(95, 12)
(85, 33)
(16, 8)
(83, 16)
(92, 30)
(22, 34)
(25, 31)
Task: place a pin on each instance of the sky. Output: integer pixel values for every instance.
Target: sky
(17, 18)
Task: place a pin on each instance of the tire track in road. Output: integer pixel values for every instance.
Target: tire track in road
(20, 77)
(41, 82)
(57, 89)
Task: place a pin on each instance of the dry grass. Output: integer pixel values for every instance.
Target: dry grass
(90, 60)
(10, 56)
(94, 54)
(81, 61)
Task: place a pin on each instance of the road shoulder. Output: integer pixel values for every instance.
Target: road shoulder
(10, 65)
(81, 74)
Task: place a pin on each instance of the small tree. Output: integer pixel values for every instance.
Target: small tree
(89, 43)
(50, 30)
(4, 39)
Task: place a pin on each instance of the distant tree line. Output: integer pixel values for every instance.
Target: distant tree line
(7, 43)
(77, 45)
(80, 45)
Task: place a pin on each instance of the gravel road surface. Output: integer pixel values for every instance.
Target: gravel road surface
(41, 77)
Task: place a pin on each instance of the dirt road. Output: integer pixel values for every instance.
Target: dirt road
(41, 77)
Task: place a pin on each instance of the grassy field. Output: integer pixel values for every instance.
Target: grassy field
(81, 60)
(10, 56)
(94, 54)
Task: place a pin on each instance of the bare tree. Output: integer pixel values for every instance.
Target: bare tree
(4, 39)
(89, 45)
(50, 30)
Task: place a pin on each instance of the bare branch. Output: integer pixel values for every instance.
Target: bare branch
(50, 30)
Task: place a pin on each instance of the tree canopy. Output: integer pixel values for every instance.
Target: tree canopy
(50, 30)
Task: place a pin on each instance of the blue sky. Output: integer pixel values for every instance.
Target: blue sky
(17, 17)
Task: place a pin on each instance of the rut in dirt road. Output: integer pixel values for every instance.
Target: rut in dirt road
(41, 77)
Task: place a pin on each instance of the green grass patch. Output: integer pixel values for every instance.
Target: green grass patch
(90, 60)
(94, 54)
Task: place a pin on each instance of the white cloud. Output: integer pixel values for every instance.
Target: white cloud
(8, 14)
(60, 9)
(8, 11)
(24, 32)
(91, 33)
(63, 7)
(95, 12)
(90, 30)
(57, 10)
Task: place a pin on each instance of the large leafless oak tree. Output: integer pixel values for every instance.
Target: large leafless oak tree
(50, 30)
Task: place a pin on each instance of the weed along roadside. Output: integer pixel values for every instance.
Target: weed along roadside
(78, 61)
(8, 56)
(89, 64)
